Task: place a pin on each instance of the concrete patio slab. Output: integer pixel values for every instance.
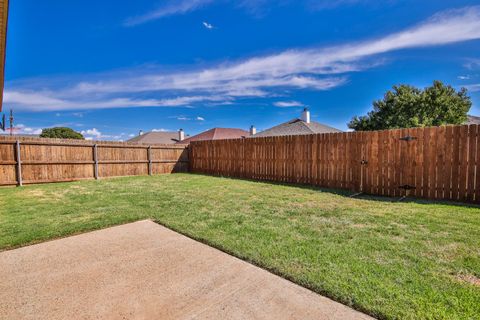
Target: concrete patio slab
(145, 271)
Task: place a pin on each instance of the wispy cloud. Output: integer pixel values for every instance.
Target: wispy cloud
(43, 101)
(207, 25)
(473, 87)
(464, 77)
(288, 104)
(254, 7)
(330, 4)
(263, 76)
(171, 8)
(472, 64)
(200, 118)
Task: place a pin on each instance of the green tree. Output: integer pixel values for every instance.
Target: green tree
(61, 133)
(406, 107)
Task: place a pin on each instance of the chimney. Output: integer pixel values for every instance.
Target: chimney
(140, 133)
(181, 135)
(306, 115)
(253, 130)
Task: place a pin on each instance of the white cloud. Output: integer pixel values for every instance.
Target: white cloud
(23, 129)
(287, 104)
(200, 118)
(225, 83)
(465, 77)
(92, 133)
(171, 8)
(182, 118)
(95, 134)
(159, 130)
(207, 25)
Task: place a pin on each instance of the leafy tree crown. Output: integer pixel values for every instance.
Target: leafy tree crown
(406, 106)
(61, 133)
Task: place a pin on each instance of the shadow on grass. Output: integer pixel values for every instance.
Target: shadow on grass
(350, 194)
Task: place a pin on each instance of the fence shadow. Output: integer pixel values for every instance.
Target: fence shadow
(348, 194)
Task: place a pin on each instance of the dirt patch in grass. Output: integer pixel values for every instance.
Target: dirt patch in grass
(37, 193)
(469, 278)
(53, 194)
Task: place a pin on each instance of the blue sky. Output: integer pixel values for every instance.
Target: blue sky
(110, 70)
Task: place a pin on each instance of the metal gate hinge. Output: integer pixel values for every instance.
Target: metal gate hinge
(407, 187)
(408, 138)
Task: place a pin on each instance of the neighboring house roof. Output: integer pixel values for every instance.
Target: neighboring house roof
(473, 120)
(156, 138)
(3, 44)
(20, 135)
(296, 127)
(217, 134)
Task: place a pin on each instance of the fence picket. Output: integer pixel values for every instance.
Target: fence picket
(54, 160)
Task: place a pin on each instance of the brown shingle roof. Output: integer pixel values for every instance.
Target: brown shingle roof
(217, 134)
(3, 44)
(156, 138)
(296, 127)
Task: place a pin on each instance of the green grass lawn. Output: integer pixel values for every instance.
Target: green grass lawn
(393, 260)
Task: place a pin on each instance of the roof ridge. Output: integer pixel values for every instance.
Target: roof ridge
(308, 126)
(148, 132)
(214, 132)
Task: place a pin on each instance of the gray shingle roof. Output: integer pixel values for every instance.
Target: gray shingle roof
(156, 138)
(217, 134)
(296, 127)
(473, 120)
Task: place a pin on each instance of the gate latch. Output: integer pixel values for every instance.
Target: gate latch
(364, 162)
(407, 187)
(408, 138)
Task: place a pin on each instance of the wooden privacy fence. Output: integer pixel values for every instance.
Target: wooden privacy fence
(434, 163)
(27, 160)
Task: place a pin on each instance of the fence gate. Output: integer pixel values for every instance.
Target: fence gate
(388, 162)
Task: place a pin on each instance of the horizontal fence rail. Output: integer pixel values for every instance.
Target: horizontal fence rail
(34, 160)
(433, 163)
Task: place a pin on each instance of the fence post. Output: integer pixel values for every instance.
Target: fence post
(149, 156)
(19, 164)
(95, 159)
